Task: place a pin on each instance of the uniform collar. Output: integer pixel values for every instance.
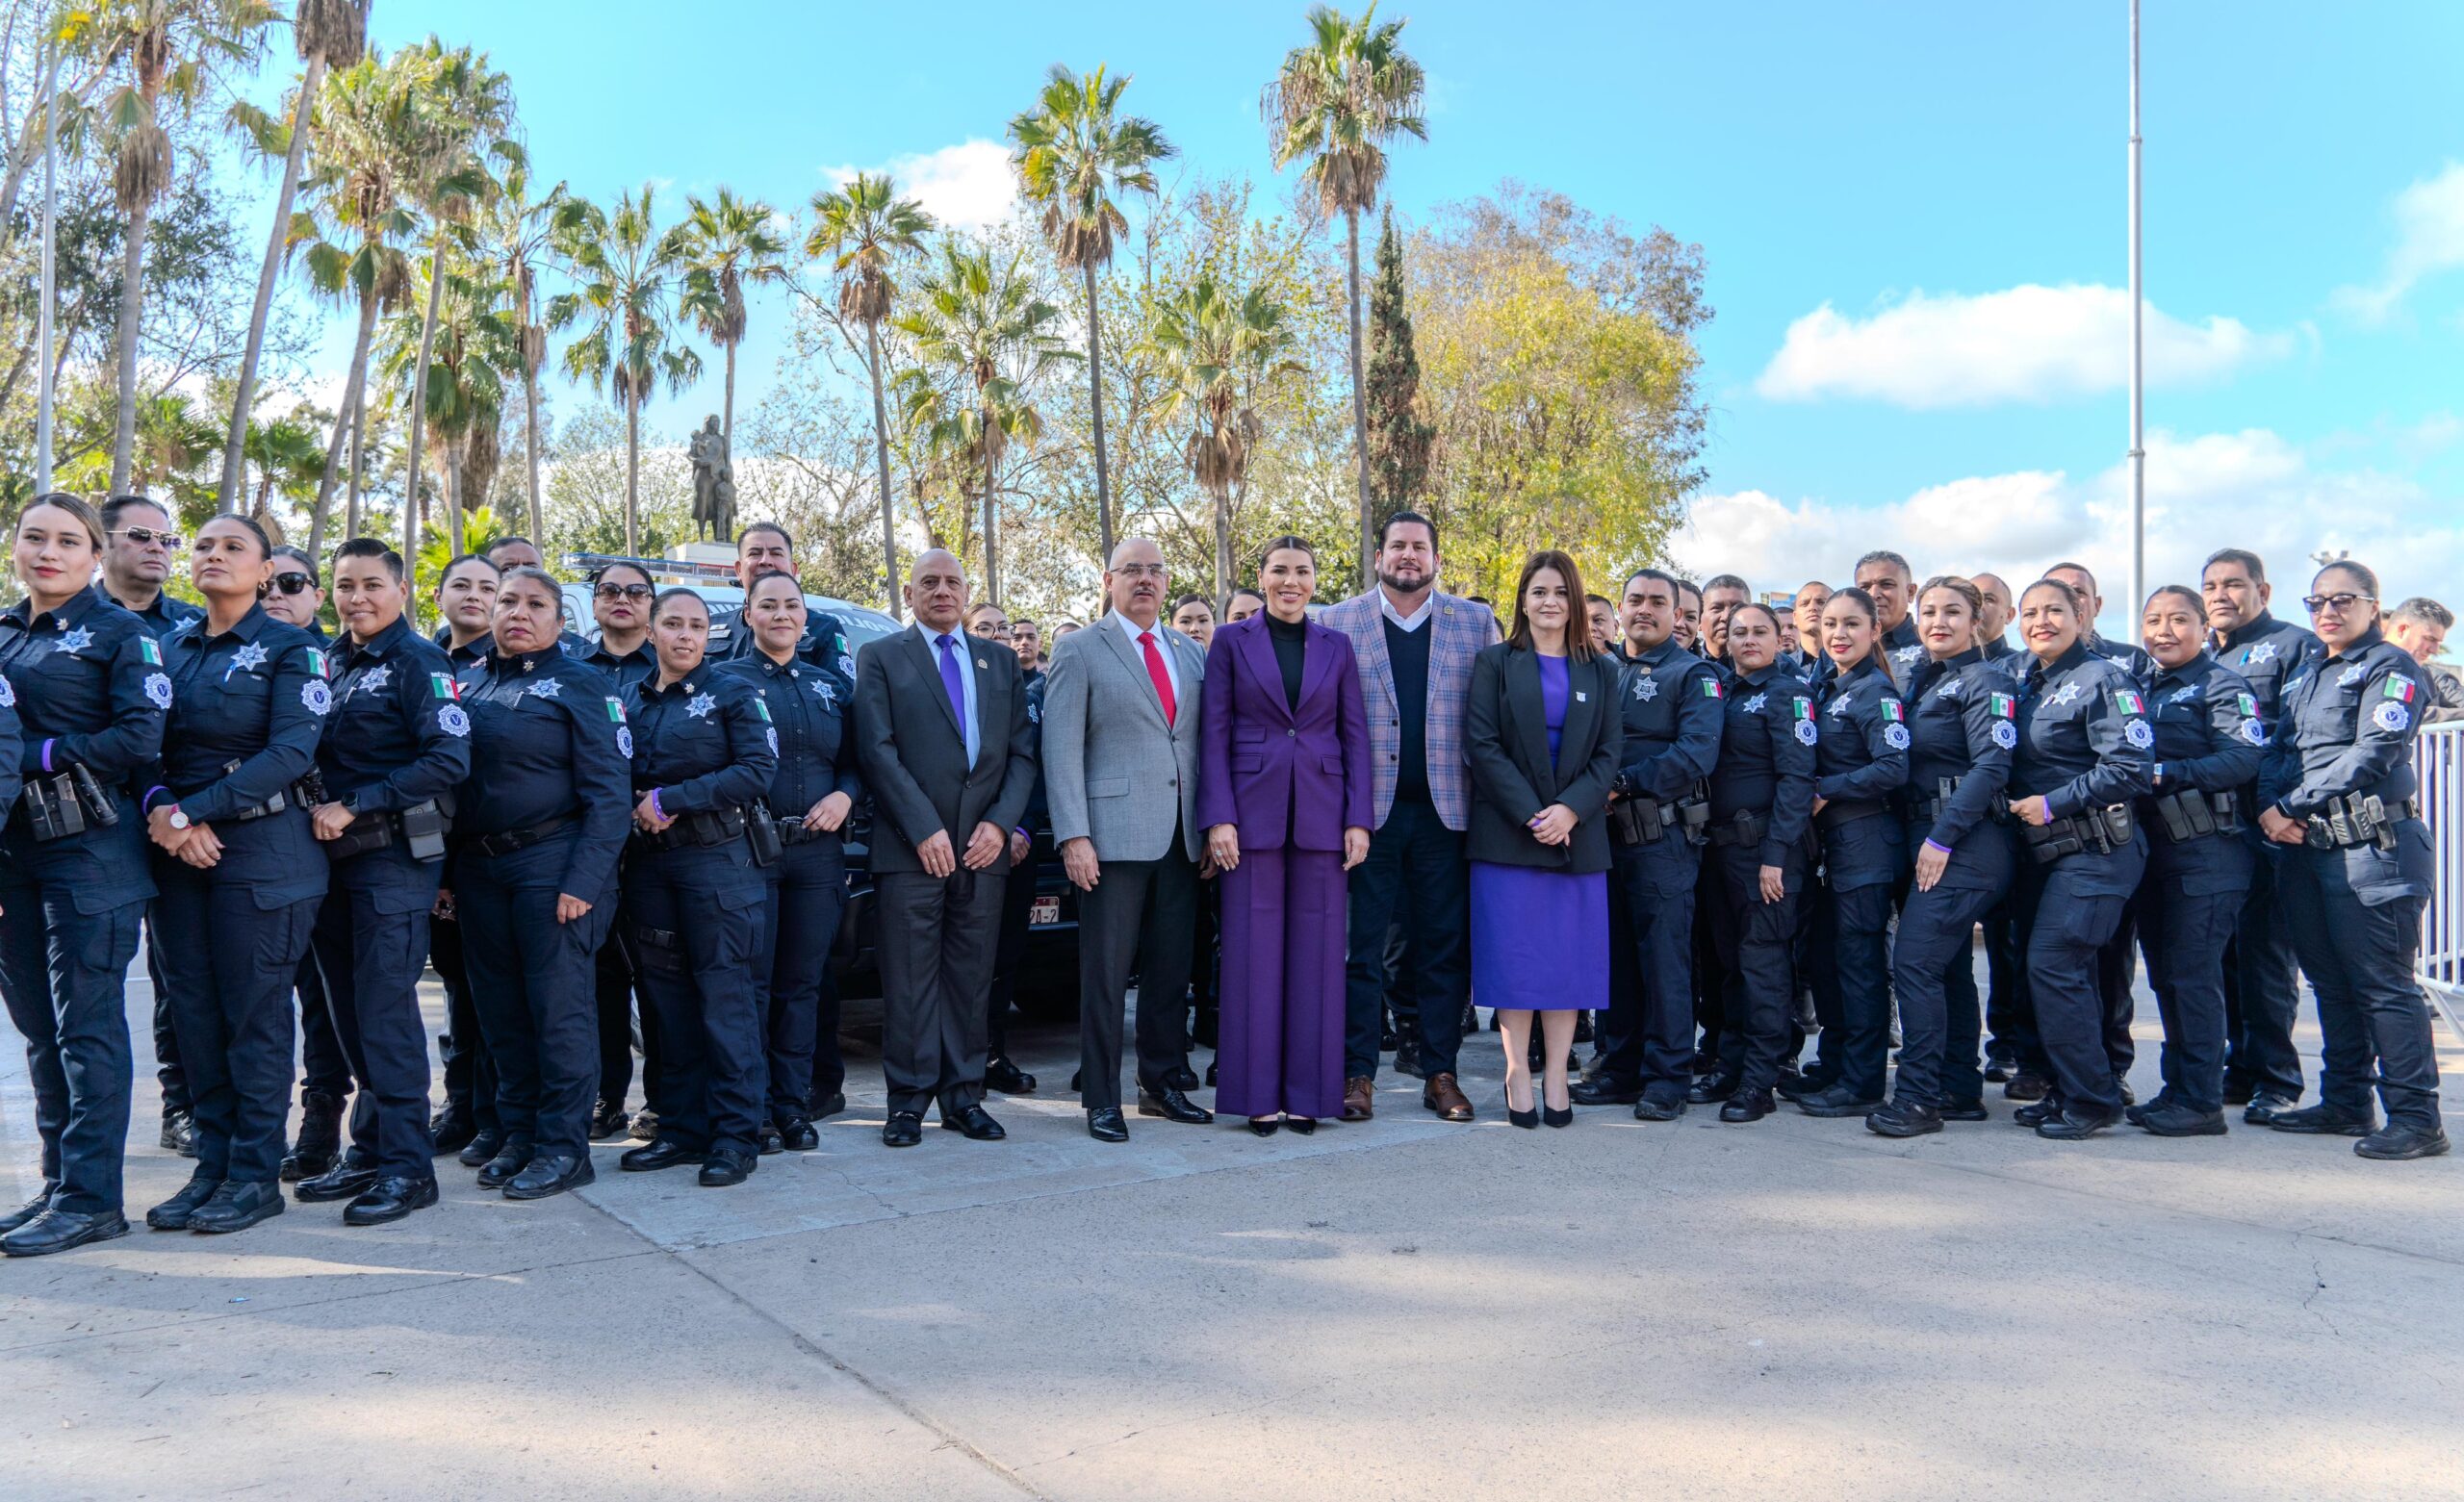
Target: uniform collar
(75, 608)
(599, 654)
(1657, 657)
(2253, 629)
(2078, 653)
(1757, 679)
(1871, 662)
(1901, 635)
(523, 662)
(248, 629)
(2362, 643)
(382, 643)
(159, 610)
(2197, 668)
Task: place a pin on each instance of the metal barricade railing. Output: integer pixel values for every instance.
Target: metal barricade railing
(2438, 753)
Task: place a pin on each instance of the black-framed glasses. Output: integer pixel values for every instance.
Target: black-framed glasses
(2343, 601)
(633, 592)
(288, 583)
(150, 537)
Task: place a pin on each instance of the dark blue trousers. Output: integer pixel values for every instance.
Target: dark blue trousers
(2187, 908)
(2263, 987)
(2359, 956)
(808, 890)
(65, 975)
(372, 943)
(1933, 971)
(1415, 875)
(531, 978)
(231, 965)
(167, 1074)
(1646, 1035)
(2070, 912)
(324, 1065)
(462, 1048)
(1864, 860)
(697, 921)
(1757, 943)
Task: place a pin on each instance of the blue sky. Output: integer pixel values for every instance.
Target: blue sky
(1913, 216)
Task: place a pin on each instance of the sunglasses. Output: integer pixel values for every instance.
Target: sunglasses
(2341, 602)
(293, 583)
(149, 536)
(623, 591)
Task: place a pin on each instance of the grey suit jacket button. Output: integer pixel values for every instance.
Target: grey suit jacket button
(1294, 733)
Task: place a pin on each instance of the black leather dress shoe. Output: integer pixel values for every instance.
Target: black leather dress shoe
(609, 1120)
(1840, 1099)
(2121, 1087)
(825, 1107)
(1711, 1089)
(484, 1145)
(2035, 1113)
(2321, 1121)
(1998, 1068)
(903, 1129)
(2025, 1086)
(662, 1152)
(2174, 1119)
(60, 1229)
(975, 1123)
(1748, 1105)
(236, 1207)
(1904, 1119)
(1963, 1111)
(549, 1173)
(179, 1133)
(510, 1159)
(1173, 1106)
(727, 1167)
(25, 1214)
(450, 1131)
(1001, 1074)
(390, 1198)
(347, 1182)
(1605, 1091)
(1183, 1077)
(2265, 1107)
(1104, 1125)
(173, 1213)
(2077, 1124)
(766, 1139)
(2393, 1143)
(1804, 1083)
(1660, 1102)
(1266, 1126)
(796, 1135)
(1210, 1074)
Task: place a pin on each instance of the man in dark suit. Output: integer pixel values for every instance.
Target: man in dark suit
(949, 755)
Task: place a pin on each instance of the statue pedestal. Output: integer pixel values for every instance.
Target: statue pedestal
(704, 552)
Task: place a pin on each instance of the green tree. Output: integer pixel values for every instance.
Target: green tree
(868, 231)
(1222, 349)
(288, 456)
(725, 242)
(437, 549)
(625, 267)
(1399, 435)
(1337, 102)
(1073, 155)
(472, 340)
(516, 230)
(328, 34)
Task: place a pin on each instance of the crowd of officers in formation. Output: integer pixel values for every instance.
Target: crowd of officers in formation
(1800, 817)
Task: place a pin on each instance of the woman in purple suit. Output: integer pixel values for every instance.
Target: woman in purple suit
(1284, 794)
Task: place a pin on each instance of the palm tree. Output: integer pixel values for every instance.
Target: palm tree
(1072, 155)
(173, 49)
(1219, 351)
(329, 34)
(982, 324)
(727, 243)
(288, 456)
(869, 229)
(518, 231)
(1337, 102)
(474, 343)
(625, 267)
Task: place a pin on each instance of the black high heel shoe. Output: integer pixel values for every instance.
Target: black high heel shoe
(1264, 1126)
(1304, 1125)
(1557, 1118)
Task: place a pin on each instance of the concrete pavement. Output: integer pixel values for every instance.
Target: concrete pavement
(1397, 1310)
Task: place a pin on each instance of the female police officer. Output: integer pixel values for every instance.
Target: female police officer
(1858, 767)
(2208, 746)
(1962, 726)
(239, 871)
(1763, 845)
(2083, 755)
(2340, 788)
(810, 795)
(89, 692)
(703, 754)
(541, 823)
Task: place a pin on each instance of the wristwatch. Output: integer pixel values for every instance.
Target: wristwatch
(179, 819)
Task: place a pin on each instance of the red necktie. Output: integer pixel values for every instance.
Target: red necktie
(1155, 671)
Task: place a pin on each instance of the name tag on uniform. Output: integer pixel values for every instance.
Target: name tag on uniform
(1582, 697)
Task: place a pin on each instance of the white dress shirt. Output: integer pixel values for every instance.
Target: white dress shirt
(1163, 648)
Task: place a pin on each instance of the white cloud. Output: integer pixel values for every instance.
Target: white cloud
(2429, 239)
(2028, 343)
(968, 186)
(2250, 489)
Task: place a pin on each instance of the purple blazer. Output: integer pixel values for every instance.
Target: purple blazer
(1278, 775)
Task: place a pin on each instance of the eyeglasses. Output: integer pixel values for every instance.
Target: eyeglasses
(2341, 602)
(293, 583)
(621, 591)
(1141, 570)
(150, 537)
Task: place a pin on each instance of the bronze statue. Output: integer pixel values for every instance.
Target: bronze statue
(713, 483)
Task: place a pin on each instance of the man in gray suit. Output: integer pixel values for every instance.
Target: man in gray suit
(949, 755)
(1120, 729)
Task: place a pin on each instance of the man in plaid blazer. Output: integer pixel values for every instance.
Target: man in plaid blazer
(1415, 647)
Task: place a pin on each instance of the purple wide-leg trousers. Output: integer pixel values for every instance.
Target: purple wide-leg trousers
(1282, 1022)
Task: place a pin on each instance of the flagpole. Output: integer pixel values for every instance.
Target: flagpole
(44, 395)
(2138, 387)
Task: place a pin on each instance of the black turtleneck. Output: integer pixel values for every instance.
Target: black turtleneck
(1291, 641)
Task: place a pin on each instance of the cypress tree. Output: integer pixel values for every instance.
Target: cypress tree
(1399, 439)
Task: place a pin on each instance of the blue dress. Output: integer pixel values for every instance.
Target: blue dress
(1540, 938)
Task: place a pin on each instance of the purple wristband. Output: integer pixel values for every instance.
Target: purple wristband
(46, 754)
(146, 804)
(1938, 846)
(657, 806)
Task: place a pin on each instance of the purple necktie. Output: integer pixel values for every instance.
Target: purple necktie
(951, 681)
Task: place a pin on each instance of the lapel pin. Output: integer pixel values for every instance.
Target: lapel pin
(980, 663)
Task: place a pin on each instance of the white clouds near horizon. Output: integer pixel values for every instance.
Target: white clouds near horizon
(968, 186)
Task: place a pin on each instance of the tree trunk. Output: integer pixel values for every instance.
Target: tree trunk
(351, 518)
(1360, 407)
(132, 309)
(231, 456)
(632, 472)
(1095, 397)
(419, 404)
(345, 425)
(881, 452)
(1222, 546)
(727, 406)
(530, 446)
(991, 520)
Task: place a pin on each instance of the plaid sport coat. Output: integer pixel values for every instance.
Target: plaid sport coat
(1462, 630)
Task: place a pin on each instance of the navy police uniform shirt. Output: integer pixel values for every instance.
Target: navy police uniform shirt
(1766, 758)
(398, 734)
(807, 709)
(470, 654)
(1861, 756)
(2267, 653)
(2085, 744)
(164, 616)
(1670, 705)
(623, 668)
(824, 644)
(248, 707)
(2209, 736)
(704, 743)
(549, 742)
(2131, 658)
(1904, 649)
(2348, 728)
(91, 691)
(1962, 728)
(12, 745)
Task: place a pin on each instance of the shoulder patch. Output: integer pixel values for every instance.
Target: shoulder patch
(2391, 715)
(1895, 736)
(616, 710)
(1712, 687)
(2005, 707)
(442, 684)
(2128, 701)
(149, 649)
(2139, 733)
(2249, 706)
(2006, 734)
(1893, 711)
(2400, 688)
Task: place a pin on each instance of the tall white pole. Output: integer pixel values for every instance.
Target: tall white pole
(2138, 388)
(43, 357)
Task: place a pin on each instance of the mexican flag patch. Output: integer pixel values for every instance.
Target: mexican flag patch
(2129, 702)
(1893, 711)
(442, 684)
(317, 662)
(2400, 688)
(1804, 708)
(616, 710)
(2005, 708)
(762, 705)
(1711, 688)
(149, 649)
(2249, 707)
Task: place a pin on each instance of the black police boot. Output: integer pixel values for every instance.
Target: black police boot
(1999, 1066)
(1601, 1091)
(1838, 1100)
(1710, 1089)
(236, 1207)
(726, 1166)
(510, 1159)
(1659, 1103)
(797, 1136)
(1962, 1110)
(1407, 1052)
(344, 1181)
(390, 1198)
(2395, 1143)
(2026, 1086)
(664, 1153)
(1904, 1119)
(61, 1230)
(1001, 1073)
(549, 1173)
(2265, 1107)
(25, 1214)
(179, 1133)
(320, 1142)
(173, 1213)
(2035, 1113)
(608, 1120)
(2321, 1121)
(1805, 1083)
(825, 1107)
(2174, 1119)
(766, 1139)
(1748, 1105)
(2077, 1125)
(484, 1144)
(450, 1131)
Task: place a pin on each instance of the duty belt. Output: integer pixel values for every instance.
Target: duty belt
(2193, 815)
(1931, 810)
(2357, 819)
(696, 830)
(506, 841)
(1836, 812)
(794, 832)
(2102, 830)
(1742, 827)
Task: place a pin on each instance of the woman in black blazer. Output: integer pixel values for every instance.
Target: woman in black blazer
(1541, 732)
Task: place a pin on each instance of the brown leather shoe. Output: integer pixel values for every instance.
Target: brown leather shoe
(1360, 1098)
(1446, 1097)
